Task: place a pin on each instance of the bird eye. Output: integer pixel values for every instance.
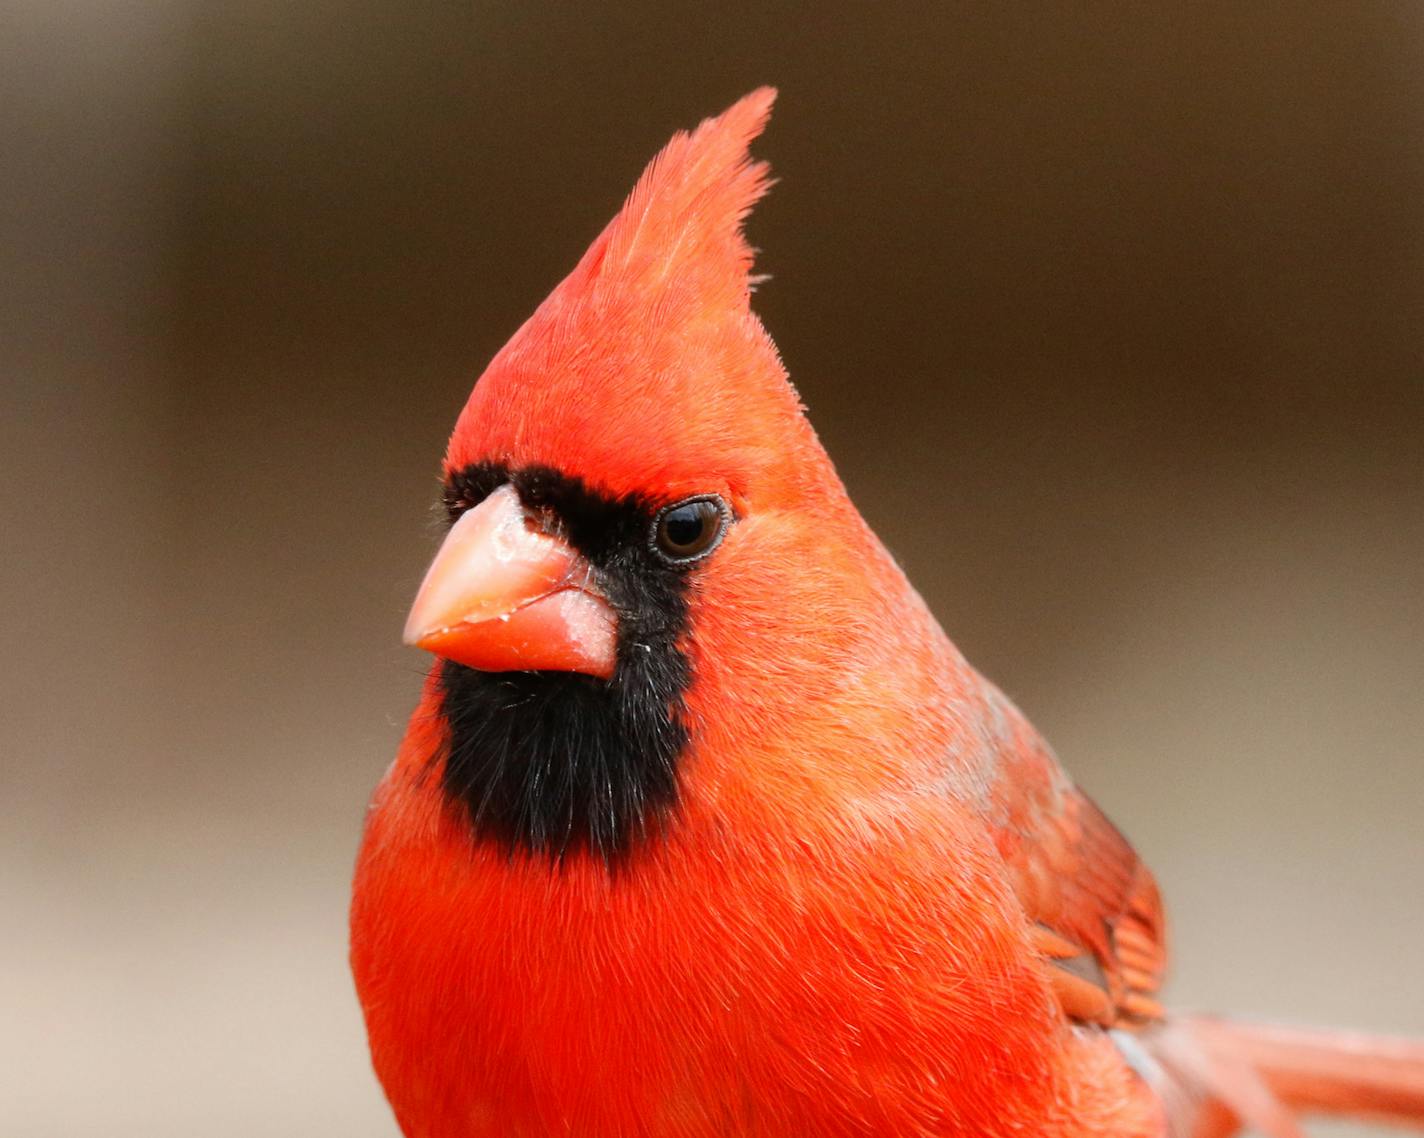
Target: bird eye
(691, 529)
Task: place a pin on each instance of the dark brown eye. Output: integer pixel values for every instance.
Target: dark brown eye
(690, 529)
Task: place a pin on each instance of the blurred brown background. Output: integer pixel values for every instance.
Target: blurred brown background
(1110, 315)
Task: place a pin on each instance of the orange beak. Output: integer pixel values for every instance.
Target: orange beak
(503, 596)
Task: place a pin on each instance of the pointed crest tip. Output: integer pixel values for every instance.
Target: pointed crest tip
(693, 197)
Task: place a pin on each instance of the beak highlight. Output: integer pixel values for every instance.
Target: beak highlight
(503, 596)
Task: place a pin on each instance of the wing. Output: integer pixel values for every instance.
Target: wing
(1097, 914)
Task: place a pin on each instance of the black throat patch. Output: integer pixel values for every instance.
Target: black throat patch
(556, 762)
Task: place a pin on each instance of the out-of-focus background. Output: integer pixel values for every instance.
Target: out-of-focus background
(1110, 315)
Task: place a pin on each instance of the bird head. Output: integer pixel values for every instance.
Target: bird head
(647, 541)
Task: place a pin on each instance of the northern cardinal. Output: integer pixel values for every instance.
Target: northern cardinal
(702, 827)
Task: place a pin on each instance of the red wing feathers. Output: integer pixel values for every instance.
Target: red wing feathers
(1103, 905)
(1096, 910)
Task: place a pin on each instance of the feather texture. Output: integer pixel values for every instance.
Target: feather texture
(876, 906)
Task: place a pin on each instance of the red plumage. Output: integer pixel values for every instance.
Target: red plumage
(878, 907)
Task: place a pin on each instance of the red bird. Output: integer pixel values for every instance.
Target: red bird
(703, 828)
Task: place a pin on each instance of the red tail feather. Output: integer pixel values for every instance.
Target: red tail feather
(1236, 1074)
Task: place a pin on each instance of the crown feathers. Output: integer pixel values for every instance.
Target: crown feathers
(645, 367)
(688, 207)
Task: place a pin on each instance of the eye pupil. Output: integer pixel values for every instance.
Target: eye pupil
(684, 527)
(689, 529)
